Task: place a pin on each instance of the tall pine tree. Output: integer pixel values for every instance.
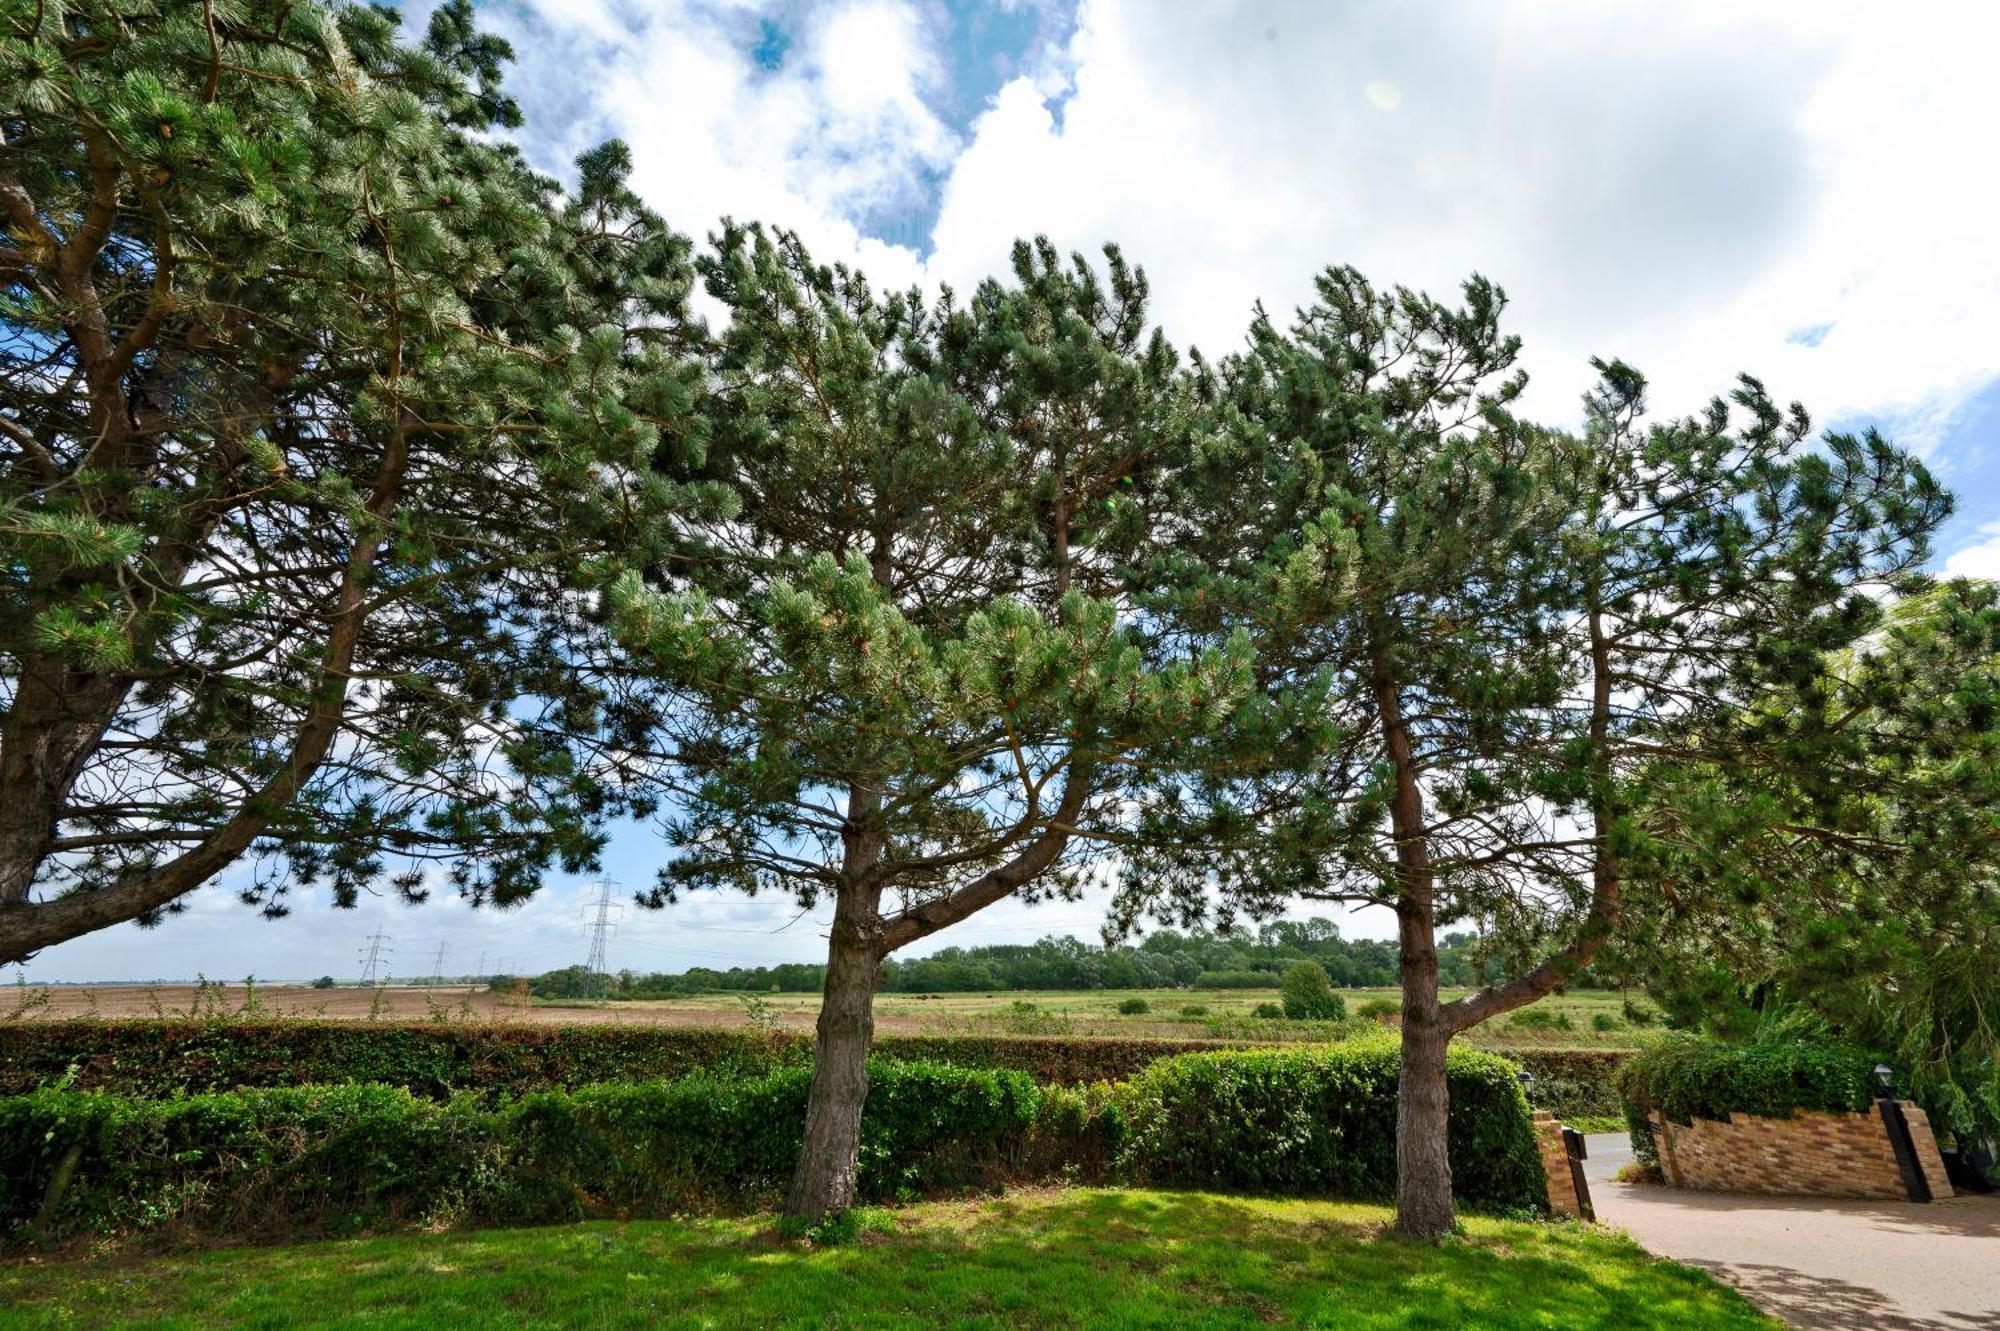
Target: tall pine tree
(1513, 629)
(901, 679)
(308, 393)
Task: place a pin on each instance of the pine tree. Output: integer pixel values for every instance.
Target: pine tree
(1511, 629)
(310, 396)
(1863, 905)
(901, 678)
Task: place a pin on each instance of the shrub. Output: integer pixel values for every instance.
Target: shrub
(1134, 1007)
(1380, 1009)
(1684, 1077)
(325, 1158)
(1194, 1009)
(1322, 1121)
(324, 982)
(1639, 1014)
(437, 1060)
(1309, 995)
(1541, 1019)
(1270, 1011)
(147, 1057)
(1604, 1021)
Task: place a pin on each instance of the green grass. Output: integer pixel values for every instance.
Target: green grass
(1568, 1020)
(1080, 1257)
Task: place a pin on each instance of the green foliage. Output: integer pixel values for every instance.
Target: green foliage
(1134, 1007)
(1541, 1019)
(1309, 994)
(1165, 959)
(1236, 980)
(336, 1158)
(1380, 1009)
(324, 982)
(1684, 1077)
(1604, 1021)
(339, 1158)
(319, 406)
(1322, 1122)
(1866, 913)
(1269, 1011)
(1193, 1010)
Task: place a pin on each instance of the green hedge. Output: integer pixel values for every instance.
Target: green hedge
(146, 1057)
(1573, 1082)
(1323, 1121)
(337, 1158)
(156, 1058)
(1685, 1077)
(330, 1159)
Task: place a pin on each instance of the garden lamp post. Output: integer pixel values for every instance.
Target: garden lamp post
(1527, 1080)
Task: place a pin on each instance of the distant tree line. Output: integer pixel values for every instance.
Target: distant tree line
(1199, 959)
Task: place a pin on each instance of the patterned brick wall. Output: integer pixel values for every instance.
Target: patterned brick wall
(1814, 1155)
(1555, 1163)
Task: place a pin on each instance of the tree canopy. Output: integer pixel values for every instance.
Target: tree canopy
(310, 393)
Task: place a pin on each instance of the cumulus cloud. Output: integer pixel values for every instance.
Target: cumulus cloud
(1980, 559)
(1697, 186)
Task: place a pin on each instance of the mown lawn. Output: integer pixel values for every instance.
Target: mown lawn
(1077, 1257)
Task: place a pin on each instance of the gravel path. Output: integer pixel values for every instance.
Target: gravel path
(1820, 1263)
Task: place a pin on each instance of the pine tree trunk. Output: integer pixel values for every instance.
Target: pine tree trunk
(825, 1181)
(1423, 1097)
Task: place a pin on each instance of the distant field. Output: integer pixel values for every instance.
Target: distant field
(1228, 1014)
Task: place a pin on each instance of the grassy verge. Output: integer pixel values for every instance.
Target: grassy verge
(1078, 1257)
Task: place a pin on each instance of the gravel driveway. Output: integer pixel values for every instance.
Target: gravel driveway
(1815, 1262)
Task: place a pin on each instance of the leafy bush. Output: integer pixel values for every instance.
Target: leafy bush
(1685, 1077)
(1134, 1007)
(1604, 1021)
(1541, 1019)
(1194, 1009)
(1639, 1014)
(1309, 995)
(1270, 1011)
(336, 1158)
(1380, 1009)
(1322, 1121)
(324, 982)
(437, 1060)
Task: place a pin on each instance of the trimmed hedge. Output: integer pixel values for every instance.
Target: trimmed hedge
(1685, 1077)
(1323, 1121)
(1570, 1082)
(341, 1158)
(331, 1159)
(156, 1058)
(145, 1057)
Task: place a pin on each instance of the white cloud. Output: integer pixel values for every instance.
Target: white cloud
(1981, 559)
(1687, 186)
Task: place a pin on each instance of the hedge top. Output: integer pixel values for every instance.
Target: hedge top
(1685, 1077)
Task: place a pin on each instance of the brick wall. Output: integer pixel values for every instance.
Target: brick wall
(1555, 1163)
(1815, 1155)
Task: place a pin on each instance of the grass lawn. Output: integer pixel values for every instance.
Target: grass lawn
(1078, 1257)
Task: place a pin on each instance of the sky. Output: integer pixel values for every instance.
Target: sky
(1800, 191)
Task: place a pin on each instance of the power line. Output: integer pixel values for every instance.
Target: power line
(437, 966)
(600, 928)
(377, 956)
